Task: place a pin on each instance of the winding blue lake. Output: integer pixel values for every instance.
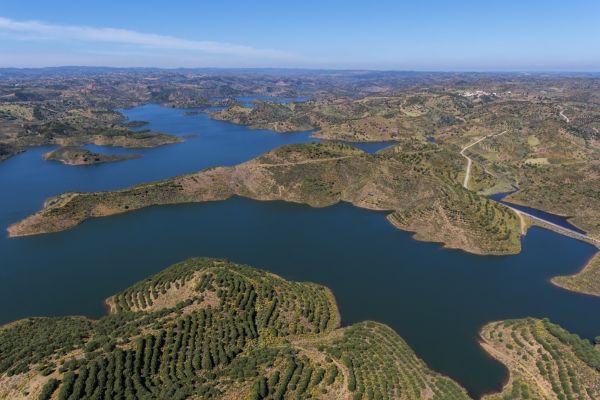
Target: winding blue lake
(437, 299)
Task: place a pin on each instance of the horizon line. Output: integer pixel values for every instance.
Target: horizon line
(337, 69)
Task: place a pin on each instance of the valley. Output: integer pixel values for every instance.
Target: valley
(232, 187)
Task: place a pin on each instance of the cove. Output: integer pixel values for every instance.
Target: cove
(27, 179)
(437, 299)
(555, 219)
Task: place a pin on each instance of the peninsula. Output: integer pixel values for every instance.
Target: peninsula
(209, 328)
(416, 182)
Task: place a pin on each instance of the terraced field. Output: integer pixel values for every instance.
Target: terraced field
(585, 281)
(380, 365)
(544, 360)
(212, 329)
(207, 328)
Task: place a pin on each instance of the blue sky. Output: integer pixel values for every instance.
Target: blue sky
(460, 35)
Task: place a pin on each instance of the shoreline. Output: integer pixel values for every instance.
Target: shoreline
(444, 244)
(588, 264)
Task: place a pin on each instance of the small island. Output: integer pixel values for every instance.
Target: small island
(74, 155)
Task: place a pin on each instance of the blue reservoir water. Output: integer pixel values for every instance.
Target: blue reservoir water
(436, 298)
(555, 219)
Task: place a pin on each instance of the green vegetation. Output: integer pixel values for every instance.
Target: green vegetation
(585, 281)
(380, 365)
(570, 189)
(491, 228)
(26, 124)
(49, 389)
(266, 115)
(372, 118)
(211, 329)
(419, 182)
(208, 328)
(32, 341)
(554, 162)
(544, 360)
(81, 156)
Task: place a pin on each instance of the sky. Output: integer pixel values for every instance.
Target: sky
(430, 35)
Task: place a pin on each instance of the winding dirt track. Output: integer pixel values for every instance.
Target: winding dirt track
(469, 160)
(313, 161)
(561, 113)
(547, 224)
